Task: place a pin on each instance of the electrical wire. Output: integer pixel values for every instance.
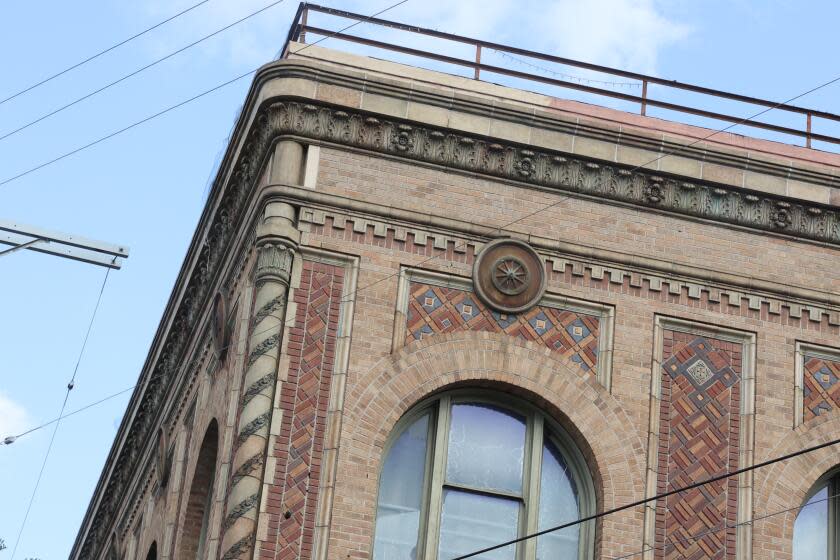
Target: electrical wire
(158, 114)
(702, 534)
(615, 510)
(100, 53)
(125, 129)
(351, 26)
(13, 438)
(139, 70)
(578, 79)
(70, 386)
(644, 501)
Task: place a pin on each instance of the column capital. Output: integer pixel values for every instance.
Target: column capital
(274, 260)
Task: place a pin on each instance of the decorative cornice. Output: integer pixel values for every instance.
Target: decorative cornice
(469, 153)
(560, 171)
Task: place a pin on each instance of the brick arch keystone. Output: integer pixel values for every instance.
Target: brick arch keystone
(598, 423)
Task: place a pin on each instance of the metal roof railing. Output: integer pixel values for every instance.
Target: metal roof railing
(301, 27)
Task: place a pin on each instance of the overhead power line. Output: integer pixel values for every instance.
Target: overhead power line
(697, 536)
(351, 26)
(8, 440)
(139, 70)
(70, 386)
(644, 501)
(158, 114)
(124, 129)
(100, 53)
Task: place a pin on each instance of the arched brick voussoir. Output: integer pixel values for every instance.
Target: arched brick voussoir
(785, 485)
(595, 419)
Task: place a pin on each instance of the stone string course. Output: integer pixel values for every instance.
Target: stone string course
(416, 239)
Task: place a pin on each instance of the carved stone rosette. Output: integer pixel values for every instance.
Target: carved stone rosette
(275, 257)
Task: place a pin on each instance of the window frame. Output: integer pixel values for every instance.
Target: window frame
(831, 480)
(539, 427)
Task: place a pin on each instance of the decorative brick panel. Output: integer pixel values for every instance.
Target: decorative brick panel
(821, 389)
(304, 400)
(436, 309)
(698, 439)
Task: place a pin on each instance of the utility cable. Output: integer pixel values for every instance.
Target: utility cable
(153, 116)
(139, 70)
(697, 536)
(352, 25)
(125, 129)
(578, 79)
(644, 501)
(70, 386)
(463, 245)
(13, 438)
(100, 53)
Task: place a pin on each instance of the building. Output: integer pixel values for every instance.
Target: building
(424, 313)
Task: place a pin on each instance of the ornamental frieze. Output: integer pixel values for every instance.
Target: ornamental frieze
(563, 172)
(540, 168)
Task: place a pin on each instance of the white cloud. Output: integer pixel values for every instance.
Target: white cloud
(13, 417)
(627, 34)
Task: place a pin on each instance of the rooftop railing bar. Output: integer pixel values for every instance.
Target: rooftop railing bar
(300, 28)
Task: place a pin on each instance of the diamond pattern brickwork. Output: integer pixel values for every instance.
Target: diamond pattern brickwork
(821, 389)
(436, 309)
(304, 400)
(698, 438)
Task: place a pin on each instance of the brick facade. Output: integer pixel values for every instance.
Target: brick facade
(822, 390)
(435, 309)
(650, 406)
(699, 428)
(304, 400)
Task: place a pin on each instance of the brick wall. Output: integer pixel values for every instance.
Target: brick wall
(699, 429)
(637, 302)
(304, 398)
(435, 309)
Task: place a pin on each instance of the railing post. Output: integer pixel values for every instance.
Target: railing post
(477, 61)
(303, 17)
(644, 96)
(808, 130)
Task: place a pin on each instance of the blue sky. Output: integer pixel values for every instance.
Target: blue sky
(146, 188)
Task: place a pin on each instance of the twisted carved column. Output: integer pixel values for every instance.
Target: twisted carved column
(277, 239)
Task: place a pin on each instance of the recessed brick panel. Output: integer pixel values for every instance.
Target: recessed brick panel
(304, 400)
(435, 309)
(698, 439)
(821, 386)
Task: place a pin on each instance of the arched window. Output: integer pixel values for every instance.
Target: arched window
(194, 534)
(468, 470)
(816, 529)
(152, 554)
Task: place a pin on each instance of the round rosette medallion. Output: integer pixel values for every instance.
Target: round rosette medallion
(509, 276)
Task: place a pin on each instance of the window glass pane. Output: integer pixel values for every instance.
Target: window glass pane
(401, 495)
(470, 522)
(558, 505)
(486, 447)
(810, 532)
